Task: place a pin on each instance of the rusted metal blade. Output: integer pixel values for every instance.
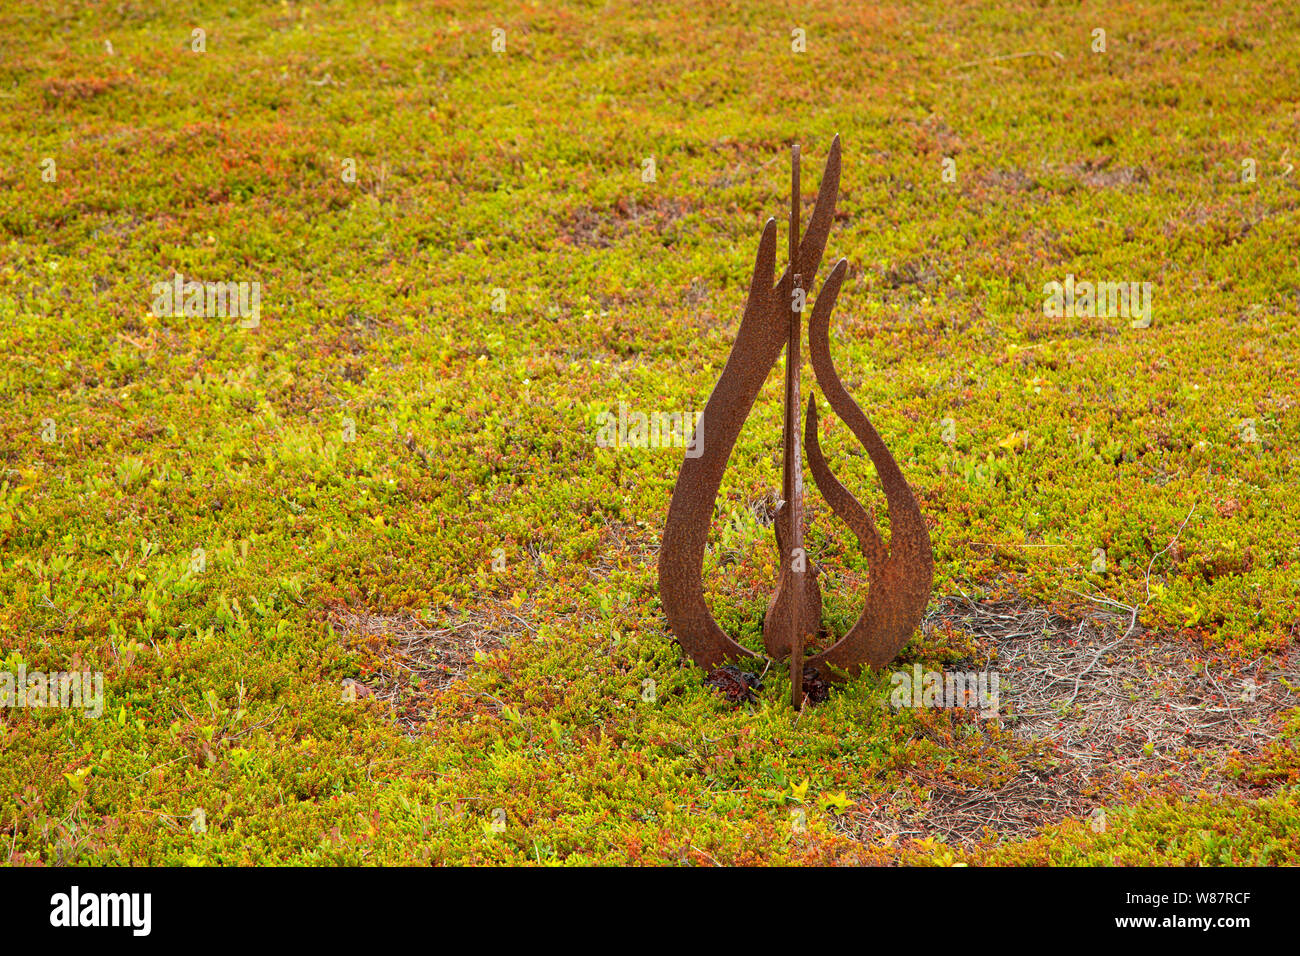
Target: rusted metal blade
(813, 243)
(900, 578)
(847, 507)
(681, 556)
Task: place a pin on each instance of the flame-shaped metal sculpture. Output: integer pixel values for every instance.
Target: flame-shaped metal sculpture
(899, 577)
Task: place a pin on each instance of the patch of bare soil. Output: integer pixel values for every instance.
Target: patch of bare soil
(1100, 173)
(1120, 709)
(1005, 180)
(600, 228)
(416, 660)
(1103, 174)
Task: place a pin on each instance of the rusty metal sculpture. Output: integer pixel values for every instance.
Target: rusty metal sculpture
(899, 576)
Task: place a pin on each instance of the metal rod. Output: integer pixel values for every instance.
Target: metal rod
(793, 477)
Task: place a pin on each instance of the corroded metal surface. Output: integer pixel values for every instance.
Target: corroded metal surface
(899, 576)
(764, 330)
(794, 614)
